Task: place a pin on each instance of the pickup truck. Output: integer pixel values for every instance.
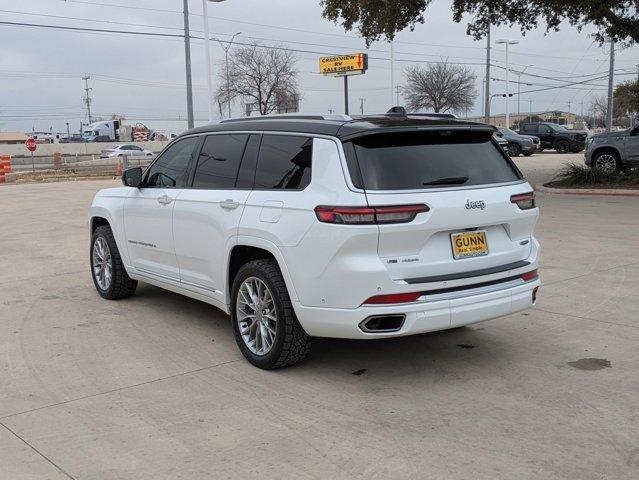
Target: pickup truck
(553, 136)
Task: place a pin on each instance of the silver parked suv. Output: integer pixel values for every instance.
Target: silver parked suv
(611, 152)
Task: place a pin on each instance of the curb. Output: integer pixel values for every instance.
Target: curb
(611, 192)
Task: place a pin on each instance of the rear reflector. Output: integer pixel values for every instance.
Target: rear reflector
(528, 276)
(369, 215)
(393, 298)
(525, 201)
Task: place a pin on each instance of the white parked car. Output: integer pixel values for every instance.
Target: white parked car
(126, 149)
(302, 227)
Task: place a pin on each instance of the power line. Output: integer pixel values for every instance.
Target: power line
(180, 36)
(306, 31)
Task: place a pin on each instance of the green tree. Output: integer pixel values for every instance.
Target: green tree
(384, 18)
(626, 97)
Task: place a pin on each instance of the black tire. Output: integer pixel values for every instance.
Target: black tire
(514, 150)
(528, 154)
(292, 344)
(602, 162)
(121, 285)
(562, 146)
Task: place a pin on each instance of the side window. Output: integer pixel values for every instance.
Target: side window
(219, 161)
(134, 147)
(171, 169)
(544, 129)
(284, 162)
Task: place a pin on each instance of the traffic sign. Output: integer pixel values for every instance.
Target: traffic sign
(344, 64)
(31, 144)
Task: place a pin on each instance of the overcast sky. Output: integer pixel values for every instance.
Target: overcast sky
(143, 77)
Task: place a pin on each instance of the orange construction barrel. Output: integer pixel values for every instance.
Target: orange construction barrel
(5, 160)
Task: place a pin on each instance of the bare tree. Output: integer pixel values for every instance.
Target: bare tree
(597, 109)
(258, 75)
(441, 87)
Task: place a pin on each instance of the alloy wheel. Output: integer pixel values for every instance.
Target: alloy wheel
(102, 263)
(256, 316)
(606, 163)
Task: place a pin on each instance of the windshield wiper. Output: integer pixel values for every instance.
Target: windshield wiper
(447, 181)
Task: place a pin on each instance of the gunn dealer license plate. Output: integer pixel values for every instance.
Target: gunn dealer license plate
(469, 244)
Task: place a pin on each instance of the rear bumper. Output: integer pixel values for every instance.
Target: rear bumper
(427, 316)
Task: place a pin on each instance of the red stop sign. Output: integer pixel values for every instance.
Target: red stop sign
(31, 144)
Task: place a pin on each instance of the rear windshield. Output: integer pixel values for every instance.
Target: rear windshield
(435, 159)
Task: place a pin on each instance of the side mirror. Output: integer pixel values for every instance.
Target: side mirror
(132, 177)
(499, 134)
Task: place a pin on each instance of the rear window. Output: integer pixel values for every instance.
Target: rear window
(419, 160)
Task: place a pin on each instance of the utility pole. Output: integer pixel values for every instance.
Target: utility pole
(487, 86)
(87, 98)
(397, 87)
(187, 58)
(361, 106)
(68, 133)
(611, 73)
(530, 111)
(483, 91)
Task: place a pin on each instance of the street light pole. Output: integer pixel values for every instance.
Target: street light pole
(207, 53)
(507, 43)
(187, 62)
(226, 60)
(392, 72)
(519, 73)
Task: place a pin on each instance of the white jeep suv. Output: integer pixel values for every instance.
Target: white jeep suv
(308, 226)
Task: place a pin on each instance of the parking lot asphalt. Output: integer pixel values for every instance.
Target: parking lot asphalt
(154, 387)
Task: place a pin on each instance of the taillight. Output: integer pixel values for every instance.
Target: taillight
(369, 215)
(393, 298)
(528, 276)
(525, 201)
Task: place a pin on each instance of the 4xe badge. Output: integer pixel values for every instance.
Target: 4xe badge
(475, 204)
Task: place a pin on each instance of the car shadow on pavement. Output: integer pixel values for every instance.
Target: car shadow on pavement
(443, 351)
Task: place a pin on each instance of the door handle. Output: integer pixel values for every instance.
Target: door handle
(229, 204)
(165, 199)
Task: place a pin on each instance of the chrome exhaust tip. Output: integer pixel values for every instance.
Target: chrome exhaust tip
(382, 323)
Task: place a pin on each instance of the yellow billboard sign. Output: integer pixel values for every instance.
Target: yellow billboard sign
(344, 64)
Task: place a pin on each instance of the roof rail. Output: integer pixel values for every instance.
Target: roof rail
(291, 116)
